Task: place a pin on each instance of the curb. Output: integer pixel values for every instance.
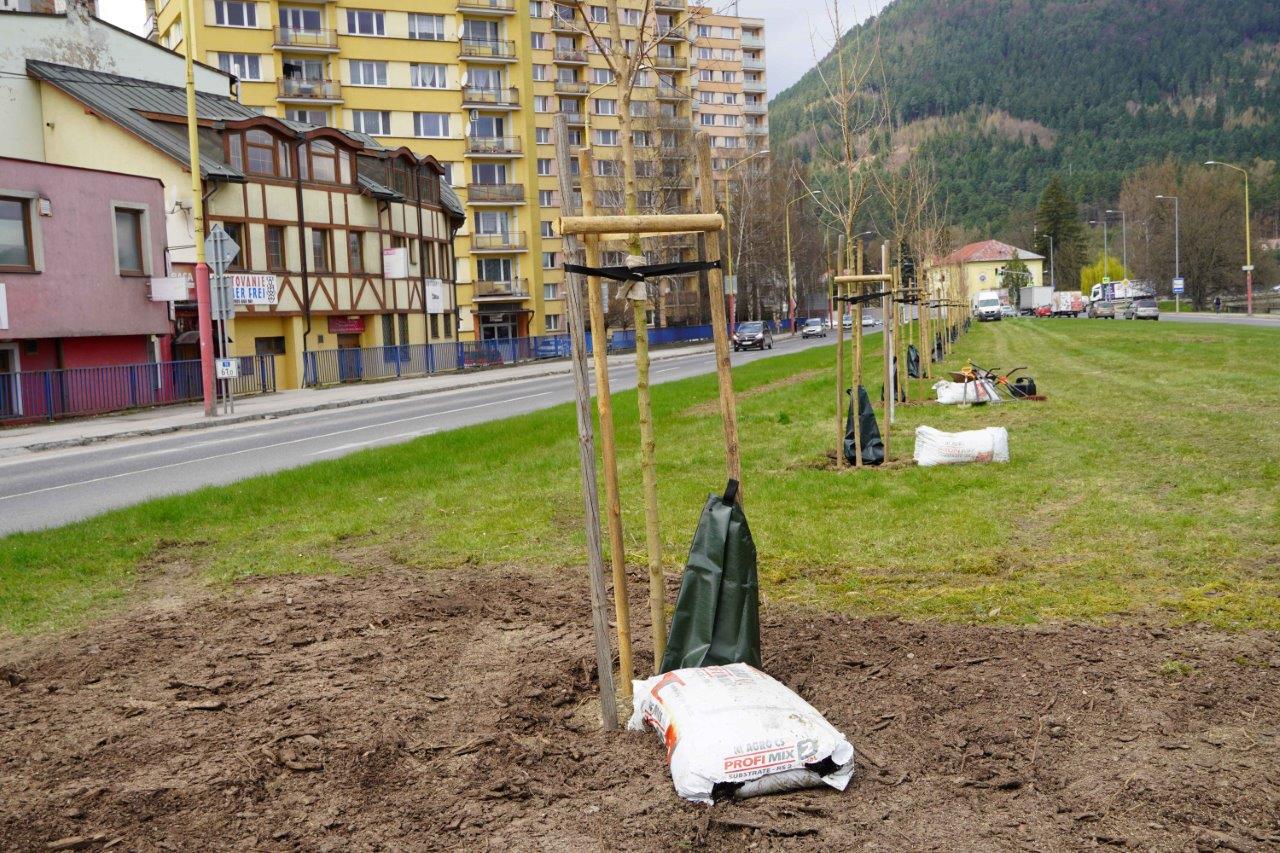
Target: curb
(39, 446)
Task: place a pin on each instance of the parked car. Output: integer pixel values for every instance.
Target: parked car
(847, 322)
(1102, 310)
(1044, 311)
(752, 335)
(551, 347)
(1142, 309)
(869, 320)
(1008, 311)
(813, 328)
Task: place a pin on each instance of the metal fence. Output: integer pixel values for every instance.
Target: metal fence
(334, 366)
(77, 391)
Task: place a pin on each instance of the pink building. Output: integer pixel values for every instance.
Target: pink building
(78, 248)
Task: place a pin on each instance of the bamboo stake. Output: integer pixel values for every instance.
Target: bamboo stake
(586, 445)
(609, 448)
(719, 323)
(653, 543)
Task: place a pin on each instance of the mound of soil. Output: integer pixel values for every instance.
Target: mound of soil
(404, 710)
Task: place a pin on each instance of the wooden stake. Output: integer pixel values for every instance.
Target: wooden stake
(653, 542)
(886, 341)
(609, 447)
(652, 223)
(856, 367)
(586, 446)
(839, 291)
(719, 323)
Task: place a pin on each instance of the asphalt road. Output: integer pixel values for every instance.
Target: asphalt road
(57, 487)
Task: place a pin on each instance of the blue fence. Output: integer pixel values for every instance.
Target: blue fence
(331, 367)
(77, 391)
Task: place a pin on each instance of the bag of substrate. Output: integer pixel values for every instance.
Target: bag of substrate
(935, 447)
(732, 731)
(980, 391)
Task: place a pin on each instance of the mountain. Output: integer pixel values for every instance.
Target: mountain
(1005, 93)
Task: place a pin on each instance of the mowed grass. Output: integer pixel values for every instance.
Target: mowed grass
(1145, 487)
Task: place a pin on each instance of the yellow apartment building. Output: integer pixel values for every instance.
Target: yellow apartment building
(477, 84)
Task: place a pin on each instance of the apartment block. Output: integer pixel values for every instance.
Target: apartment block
(730, 102)
(479, 83)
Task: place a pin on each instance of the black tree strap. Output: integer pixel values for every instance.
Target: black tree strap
(643, 272)
(861, 297)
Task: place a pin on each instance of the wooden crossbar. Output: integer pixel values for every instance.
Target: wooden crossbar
(861, 279)
(648, 224)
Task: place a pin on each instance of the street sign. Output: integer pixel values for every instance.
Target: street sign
(223, 306)
(227, 368)
(253, 289)
(730, 285)
(1247, 267)
(173, 288)
(219, 249)
(1106, 279)
(1179, 285)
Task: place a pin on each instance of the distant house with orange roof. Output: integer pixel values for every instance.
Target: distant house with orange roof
(980, 266)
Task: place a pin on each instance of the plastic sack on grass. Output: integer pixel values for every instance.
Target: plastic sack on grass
(913, 362)
(979, 391)
(732, 731)
(935, 447)
(868, 430)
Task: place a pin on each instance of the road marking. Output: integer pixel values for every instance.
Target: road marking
(269, 446)
(185, 447)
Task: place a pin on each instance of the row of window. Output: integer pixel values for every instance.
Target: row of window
(18, 224)
(322, 247)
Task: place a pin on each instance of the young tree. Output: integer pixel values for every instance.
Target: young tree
(1016, 277)
(1093, 273)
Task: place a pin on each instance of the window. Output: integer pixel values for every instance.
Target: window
(731, 121)
(428, 75)
(541, 103)
(540, 72)
(275, 247)
(269, 346)
(706, 119)
(728, 32)
(731, 97)
(537, 9)
(728, 54)
(599, 14)
(328, 164)
(492, 222)
(235, 13)
(549, 262)
(601, 76)
(542, 135)
(729, 76)
(631, 17)
(235, 230)
(554, 322)
(488, 173)
(129, 251)
(316, 117)
(546, 198)
(16, 250)
(704, 74)
(365, 72)
(245, 66)
(639, 109)
(426, 27)
(538, 41)
(321, 251)
(606, 137)
(433, 125)
(263, 153)
(355, 251)
(546, 229)
(545, 168)
(604, 106)
(704, 53)
(493, 269)
(373, 122)
(362, 22)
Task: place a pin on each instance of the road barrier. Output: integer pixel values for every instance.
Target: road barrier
(77, 391)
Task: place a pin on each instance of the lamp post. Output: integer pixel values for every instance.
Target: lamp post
(1177, 274)
(1124, 240)
(204, 296)
(1106, 252)
(791, 272)
(733, 317)
(1053, 277)
(1248, 242)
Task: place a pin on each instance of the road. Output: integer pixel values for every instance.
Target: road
(57, 487)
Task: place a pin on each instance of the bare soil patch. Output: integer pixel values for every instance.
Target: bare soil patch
(428, 710)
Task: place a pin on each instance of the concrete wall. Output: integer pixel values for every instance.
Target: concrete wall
(76, 290)
(80, 40)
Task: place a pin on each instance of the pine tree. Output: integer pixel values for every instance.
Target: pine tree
(1057, 217)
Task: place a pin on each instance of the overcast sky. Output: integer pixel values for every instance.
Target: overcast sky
(794, 29)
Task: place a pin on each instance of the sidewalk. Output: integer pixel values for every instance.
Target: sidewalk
(70, 433)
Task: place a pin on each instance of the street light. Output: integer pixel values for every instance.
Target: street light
(733, 317)
(1053, 276)
(1106, 252)
(1124, 239)
(1248, 247)
(791, 272)
(1177, 275)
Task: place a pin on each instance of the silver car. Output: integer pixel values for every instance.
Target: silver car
(1142, 309)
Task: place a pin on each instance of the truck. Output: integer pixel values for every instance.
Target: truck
(1067, 303)
(1031, 298)
(1114, 291)
(986, 305)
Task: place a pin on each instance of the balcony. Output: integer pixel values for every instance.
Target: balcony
(672, 33)
(750, 64)
(514, 289)
(512, 241)
(563, 23)
(571, 56)
(753, 86)
(572, 87)
(671, 63)
(295, 90)
(671, 93)
(574, 118)
(305, 41)
(670, 4)
(755, 109)
(752, 41)
(493, 146)
(488, 7)
(758, 129)
(487, 50)
(479, 96)
(505, 194)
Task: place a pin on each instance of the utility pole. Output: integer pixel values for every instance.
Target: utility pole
(1248, 241)
(791, 271)
(1124, 239)
(1177, 274)
(203, 307)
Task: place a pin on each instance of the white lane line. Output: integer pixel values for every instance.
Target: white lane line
(270, 446)
(195, 446)
(665, 369)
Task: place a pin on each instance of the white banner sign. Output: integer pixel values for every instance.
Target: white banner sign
(172, 288)
(395, 263)
(253, 289)
(439, 297)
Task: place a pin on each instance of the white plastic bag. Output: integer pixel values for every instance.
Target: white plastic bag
(732, 730)
(935, 447)
(980, 391)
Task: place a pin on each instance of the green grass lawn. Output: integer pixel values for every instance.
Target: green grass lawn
(1145, 487)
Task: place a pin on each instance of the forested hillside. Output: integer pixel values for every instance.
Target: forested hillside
(1006, 93)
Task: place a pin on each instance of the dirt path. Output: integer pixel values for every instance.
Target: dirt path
(423, 711)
